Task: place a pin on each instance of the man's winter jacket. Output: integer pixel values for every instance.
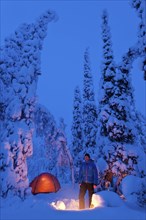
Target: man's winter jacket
(88, 172)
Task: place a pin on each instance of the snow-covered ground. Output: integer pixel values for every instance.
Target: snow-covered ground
(64, 205)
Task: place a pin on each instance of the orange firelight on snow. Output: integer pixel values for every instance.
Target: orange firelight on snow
(73, 205)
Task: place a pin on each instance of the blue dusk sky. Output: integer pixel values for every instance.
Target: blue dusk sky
(78, 27)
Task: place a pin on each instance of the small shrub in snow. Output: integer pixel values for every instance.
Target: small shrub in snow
(107, 198)
(134, 189)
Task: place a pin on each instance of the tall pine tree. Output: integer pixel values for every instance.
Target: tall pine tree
(77, 132)
(64, 163)
(20, 68)
(116, 133)
(106, 87)
(138, 50)
(89, 108)
(140, 7)
(43, 159)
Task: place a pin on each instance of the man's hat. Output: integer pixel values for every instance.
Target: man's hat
(87, 155)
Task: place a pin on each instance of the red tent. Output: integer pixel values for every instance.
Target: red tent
(45, 183)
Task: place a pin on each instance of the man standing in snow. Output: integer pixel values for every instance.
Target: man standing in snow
(88, 178)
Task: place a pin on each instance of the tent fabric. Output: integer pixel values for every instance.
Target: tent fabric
(45, 183)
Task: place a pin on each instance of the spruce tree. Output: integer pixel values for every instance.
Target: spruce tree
(89, 108)
(64, 163)
(42, 159)
(77, 132)
(141, 128)
(138, 49)
(20, 68)
(140, 7)
(106, 87)
(116, 133)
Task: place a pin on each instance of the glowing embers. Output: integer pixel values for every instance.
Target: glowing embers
(72, 204)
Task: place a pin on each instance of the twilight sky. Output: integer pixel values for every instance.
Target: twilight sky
(78, 27)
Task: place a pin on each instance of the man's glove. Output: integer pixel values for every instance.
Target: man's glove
(94, 186)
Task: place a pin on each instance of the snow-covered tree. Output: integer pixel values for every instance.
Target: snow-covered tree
(65, 172)
(140, 7)
(134, 189)
(141, 129)
(106, 87)
(133, 121)
(139, 48)
(89, 111)
(77, 132)
(116, 113)
(20, 68)
(50, 151)
(43, 158)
